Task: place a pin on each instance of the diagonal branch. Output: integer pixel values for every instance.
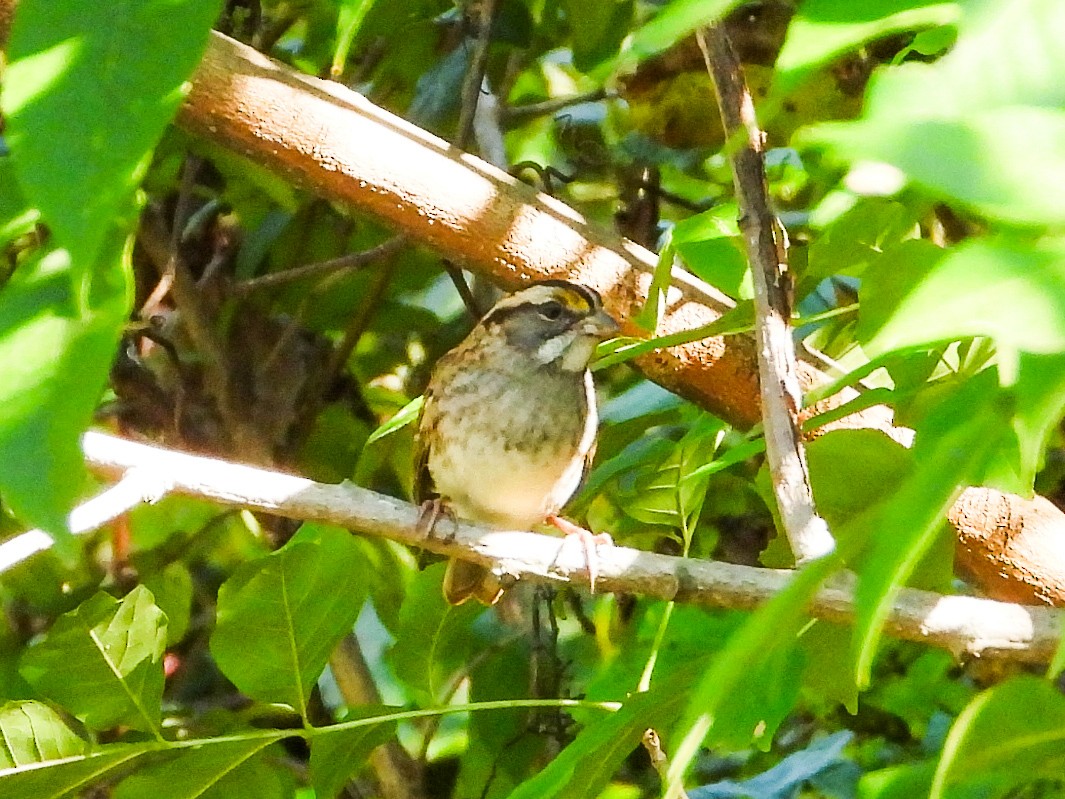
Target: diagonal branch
(960, 624)
(778, 377)
(337, 144)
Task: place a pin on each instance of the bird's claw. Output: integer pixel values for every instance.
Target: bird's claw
(589, 542)
(429, 515)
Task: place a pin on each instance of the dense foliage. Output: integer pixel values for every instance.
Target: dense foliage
(917, 158)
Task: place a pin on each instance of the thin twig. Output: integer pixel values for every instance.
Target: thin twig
(516, 113)
(766, 250)
(472, 84)
(182, 211)
(472, 87)
(321, 269)
(458, 280)
(653, 744)
(962, 625)
(314, 391)
(197, 321)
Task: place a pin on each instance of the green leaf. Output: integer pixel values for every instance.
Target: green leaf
(738, 320)
(96, 82)
(851, 470)
(434, 640)
(1005, 163)
(822, 30)
(1040, 402)
(926, 689)
(710, 245)
(406, 415)
(172, 589)
(336, 755)
(349, 20)
(653, 309)
(898, 782)
(57, 338)
(673, 493)
(597, 29)
(1009, 291)
(980, 125)
(207, 770)
(858, 239)
(279, 617)
(675, 21)
(31, 732)
(828, 675)
(16, 217)
(744, 685)
(584, 768)
(1008, 736)
(982, 71)
(65, 778)
(104, 661)
(957, 445)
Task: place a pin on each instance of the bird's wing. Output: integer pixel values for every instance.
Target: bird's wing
(423, 482)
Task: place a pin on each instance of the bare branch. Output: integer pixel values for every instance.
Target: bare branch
(337, 144)
(963, 625)
(136, 487)
(350, 261)
(766, 251)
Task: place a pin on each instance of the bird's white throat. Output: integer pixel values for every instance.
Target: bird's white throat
(574, 349)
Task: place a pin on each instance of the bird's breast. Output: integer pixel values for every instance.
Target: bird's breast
(508, 462)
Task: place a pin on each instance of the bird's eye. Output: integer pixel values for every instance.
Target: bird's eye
(551, 310)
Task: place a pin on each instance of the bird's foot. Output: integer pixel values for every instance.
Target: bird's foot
(588, 540)
(429, 515)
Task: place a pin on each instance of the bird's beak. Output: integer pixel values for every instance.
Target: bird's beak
(600, 325)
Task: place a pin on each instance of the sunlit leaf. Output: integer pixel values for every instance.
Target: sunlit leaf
(1005, 163)
(57, 339)
(64, 778)
(349, 20)
(765, 643)
(31, 732)
(675, 21)
(1008, 736)
(709, 243)
(979, 126)
(1011, 292)
(960, 443)
(75, 85)
(822, 30)
(406, 415)
(104, 661)
(172, 589)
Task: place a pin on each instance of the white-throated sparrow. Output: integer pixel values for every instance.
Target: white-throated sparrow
(508, 426)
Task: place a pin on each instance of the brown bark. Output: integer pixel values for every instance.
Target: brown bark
(1013, 548)
(337, 144)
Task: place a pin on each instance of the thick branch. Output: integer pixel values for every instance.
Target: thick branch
(963, 625)
(781, 396)
(342, 147)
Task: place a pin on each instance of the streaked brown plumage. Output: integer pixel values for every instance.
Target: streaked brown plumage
(509, 422)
